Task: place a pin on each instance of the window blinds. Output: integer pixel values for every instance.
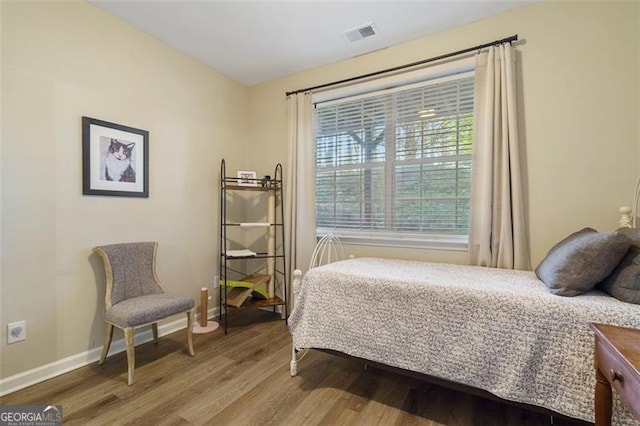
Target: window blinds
(396, 161)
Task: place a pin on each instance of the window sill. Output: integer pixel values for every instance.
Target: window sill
(390, 239)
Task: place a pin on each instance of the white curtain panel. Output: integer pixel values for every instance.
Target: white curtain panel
(299, 185)
(497, 235)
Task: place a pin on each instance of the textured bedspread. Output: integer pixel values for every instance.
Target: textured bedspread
(497, 330)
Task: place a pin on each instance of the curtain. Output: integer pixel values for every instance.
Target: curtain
(299, 185)
(497, 234)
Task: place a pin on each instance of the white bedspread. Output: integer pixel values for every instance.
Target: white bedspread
(494, 329)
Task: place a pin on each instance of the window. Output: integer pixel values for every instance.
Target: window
(394, 166)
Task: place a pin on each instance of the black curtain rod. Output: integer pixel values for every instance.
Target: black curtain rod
(401, 67)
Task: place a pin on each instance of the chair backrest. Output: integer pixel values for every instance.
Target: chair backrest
(130, 270)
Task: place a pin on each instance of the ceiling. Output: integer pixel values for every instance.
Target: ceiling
(256, 41)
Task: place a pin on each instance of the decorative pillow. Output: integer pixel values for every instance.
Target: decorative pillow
(624, 281)
(632, 233)
(579, 262)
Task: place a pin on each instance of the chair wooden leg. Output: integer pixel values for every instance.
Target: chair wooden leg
(190, 315)
(154, 328)
(107, 342)
(131, 360)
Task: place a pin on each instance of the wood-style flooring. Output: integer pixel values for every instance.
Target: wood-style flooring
(243, 379)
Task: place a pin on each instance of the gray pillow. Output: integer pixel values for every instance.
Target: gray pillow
(633, 234)
(579, 262)
(624, 281)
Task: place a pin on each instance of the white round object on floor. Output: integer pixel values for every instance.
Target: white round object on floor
(211, 326)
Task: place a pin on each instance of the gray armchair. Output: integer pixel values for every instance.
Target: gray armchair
(135, 298)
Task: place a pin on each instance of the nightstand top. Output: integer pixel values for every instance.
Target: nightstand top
(624, 340)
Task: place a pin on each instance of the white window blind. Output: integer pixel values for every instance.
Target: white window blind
(395, 165)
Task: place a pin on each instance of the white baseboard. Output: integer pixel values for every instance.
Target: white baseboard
(56, 368)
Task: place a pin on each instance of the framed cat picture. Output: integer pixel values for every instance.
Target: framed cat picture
(115, 159)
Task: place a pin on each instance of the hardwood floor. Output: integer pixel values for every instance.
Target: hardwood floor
(243, 379)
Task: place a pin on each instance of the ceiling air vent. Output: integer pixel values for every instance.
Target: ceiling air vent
(360, 32)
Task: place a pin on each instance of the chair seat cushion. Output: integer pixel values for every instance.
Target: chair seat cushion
(146, 309)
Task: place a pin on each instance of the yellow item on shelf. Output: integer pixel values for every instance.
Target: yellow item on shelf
(252, 285)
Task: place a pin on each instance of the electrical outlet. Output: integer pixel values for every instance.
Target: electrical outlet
(216, 281)
(16, 332)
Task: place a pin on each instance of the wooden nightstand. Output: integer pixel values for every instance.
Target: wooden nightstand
(617, 362)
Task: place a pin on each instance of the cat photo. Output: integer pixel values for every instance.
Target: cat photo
(117, 164)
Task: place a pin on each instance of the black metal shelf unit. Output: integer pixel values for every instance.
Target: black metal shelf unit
(275, 254)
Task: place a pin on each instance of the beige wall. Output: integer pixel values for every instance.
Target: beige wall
(63, 60)
(579, 67)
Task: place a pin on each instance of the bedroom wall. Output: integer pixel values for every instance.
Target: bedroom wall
(579, 67)
(63, 60)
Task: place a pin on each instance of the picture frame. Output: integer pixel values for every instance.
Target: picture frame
(247, 178)
(115, 159)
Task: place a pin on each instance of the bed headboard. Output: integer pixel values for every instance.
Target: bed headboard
(328, 249)
(626, 217)
(628, 214)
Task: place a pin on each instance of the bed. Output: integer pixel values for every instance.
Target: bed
(500, 331)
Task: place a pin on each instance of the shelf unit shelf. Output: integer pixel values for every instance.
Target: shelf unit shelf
(235, 187)
(257, 303)
(257, 256)
(252, 226)
(273, 228)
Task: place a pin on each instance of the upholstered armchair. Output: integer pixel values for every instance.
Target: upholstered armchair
(135, 298)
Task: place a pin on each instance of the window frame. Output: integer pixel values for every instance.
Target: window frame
(439, 241)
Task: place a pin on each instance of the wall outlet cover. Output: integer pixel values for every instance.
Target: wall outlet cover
(16, 332)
